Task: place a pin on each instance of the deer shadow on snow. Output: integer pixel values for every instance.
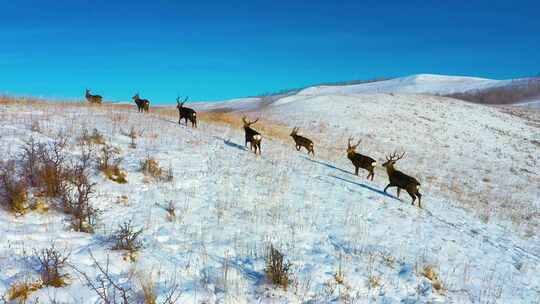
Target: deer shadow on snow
(232, 144)
(349, 181)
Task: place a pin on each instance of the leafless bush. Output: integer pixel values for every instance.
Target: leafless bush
(277, 270)
(31, 162)
(109, 164)
(76, 197)
(52, 262)
(111, 291)
(126, 237)
(13, 190)
(108, 290)
(52, 167)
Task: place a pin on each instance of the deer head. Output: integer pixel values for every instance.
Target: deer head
(247, 123)
(294, 131)
(352, 148)
(392, 159)
(136, 96)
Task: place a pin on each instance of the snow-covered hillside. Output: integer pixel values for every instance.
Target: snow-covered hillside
(347, 241)
(422, 83)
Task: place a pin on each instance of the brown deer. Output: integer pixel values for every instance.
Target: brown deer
(401, 180)
(93, 99)
(186, 113)
(360, 161)
(301, 141)
(253, 137)
(142, 104)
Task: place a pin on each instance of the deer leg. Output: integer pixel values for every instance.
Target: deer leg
(398, 190)
(387, 186)
(412, 196)
(419, 200)
(356, 171)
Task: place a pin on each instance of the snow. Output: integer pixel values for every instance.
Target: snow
(422, 83)
(477, 166)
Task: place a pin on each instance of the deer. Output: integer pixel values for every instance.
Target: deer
(301, 141)
(186, 113)
(142, 104)
(253, 137)
(401, 180)
(360, 161)
(93, 99)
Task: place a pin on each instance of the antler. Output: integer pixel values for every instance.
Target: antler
(353, 146)
(395, 157)
(247, 122)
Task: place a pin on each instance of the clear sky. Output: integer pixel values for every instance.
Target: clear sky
(214, 50)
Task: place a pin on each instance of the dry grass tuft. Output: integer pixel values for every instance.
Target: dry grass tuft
(109, 164)
(95, 138)
(429, 272)
(150, 168)
(278, 272)
(20, 291)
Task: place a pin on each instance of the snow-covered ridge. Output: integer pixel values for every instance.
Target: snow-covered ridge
(421, 83)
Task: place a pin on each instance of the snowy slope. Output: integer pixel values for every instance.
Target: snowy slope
(231, 204)
(422, 83)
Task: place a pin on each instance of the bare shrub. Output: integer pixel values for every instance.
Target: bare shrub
(76, 197)
(108, 290)
(13, 190)
(277, 270)
(52, 167)
(31, 162)
(126, 237)
(109, 164)
(112, 291)
(52, 262)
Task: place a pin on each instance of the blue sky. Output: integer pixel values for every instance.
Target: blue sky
(215, 50)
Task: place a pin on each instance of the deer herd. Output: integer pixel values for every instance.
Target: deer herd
(396, 178)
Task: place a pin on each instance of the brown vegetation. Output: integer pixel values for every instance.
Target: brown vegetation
(502, 95)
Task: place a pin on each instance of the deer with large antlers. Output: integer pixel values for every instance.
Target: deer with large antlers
(253, 137)
(93, 99)
(401, 180)
(301, 141)
(142, 104)
(186, 113)
(360, 161)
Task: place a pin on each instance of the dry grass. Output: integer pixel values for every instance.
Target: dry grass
(151, 169)
(109, 164)
(20, 291)
(277, 270)
(430, 273)
(95, 138)
(13, 192)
